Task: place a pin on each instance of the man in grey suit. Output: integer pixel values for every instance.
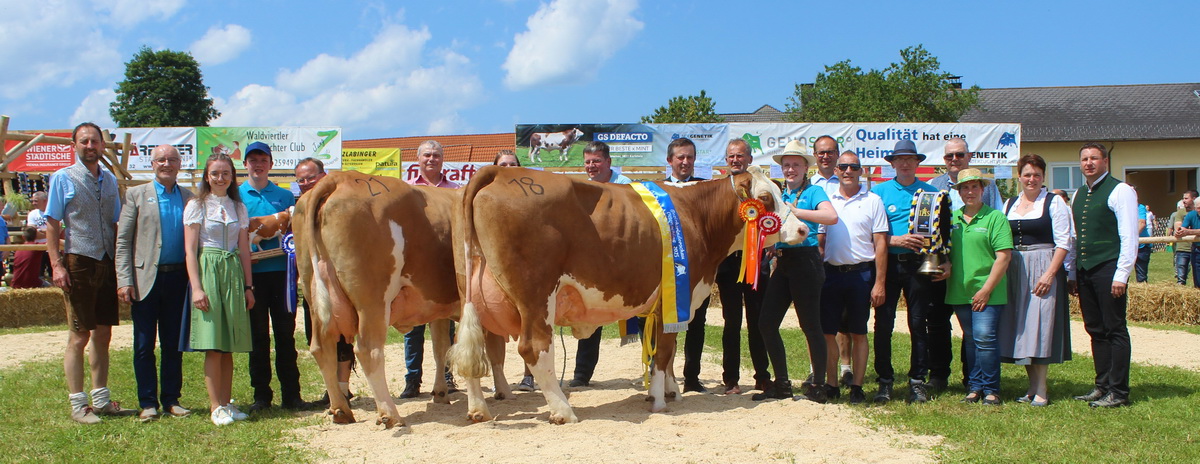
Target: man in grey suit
(151, 275)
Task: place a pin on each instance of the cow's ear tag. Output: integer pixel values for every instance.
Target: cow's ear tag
(743, 192)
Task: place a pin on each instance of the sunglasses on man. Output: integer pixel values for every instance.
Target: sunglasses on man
(957, 154)
(850, 167)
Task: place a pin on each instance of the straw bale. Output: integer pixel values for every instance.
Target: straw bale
(23, 307)
(1164, 303)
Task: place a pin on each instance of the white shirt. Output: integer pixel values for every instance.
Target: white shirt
(1123, 203)
(220, 220)
(851, 239)
(831, 184)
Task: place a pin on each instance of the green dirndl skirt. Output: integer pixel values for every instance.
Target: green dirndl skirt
(226, 324)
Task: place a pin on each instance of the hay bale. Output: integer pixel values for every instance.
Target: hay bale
(24, 307)
(1164, 303)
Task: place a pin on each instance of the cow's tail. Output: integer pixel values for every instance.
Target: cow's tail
(467, 355)
(317, 275)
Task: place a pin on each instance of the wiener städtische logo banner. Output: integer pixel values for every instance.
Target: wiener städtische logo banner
(41, 157)
(555, 145)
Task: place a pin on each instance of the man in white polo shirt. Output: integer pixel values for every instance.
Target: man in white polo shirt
(855, 251)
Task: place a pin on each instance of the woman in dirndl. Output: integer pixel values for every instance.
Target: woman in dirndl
(218, 264)
(1035, 328)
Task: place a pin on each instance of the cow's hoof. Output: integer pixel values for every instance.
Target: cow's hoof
(478, 417)
(440, 397)
(499, 395)
(560, 420)
(671, 395)
(658, 407)
(342, 416)
(388, 422)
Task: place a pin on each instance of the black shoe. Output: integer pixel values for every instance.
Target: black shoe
(973, 397)
(847, 378)
(937, 384)
(762, 385)
(323, 402)
(992, 400)
(1095, 395)
(451, 387)
(1110, 401)
(411, 390)
(832, 392)
(579, 383)
(527, 384)
(297, 404)
(775, 391)
(918, 393)
(259, 406)
(694, 386)
(808, 381)
(857, 396)
(884, 394)
(815, 393)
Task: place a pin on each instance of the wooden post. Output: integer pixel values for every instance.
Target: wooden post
(125, 148)
(20, 149)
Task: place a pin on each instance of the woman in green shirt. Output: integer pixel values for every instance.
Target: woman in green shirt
(981, 247)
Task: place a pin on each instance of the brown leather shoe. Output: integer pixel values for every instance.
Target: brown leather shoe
(114, 408)
(177, 411)
(148, 415)
(85, 415)
(733, 389)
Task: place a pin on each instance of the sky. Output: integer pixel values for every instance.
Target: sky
(391, 69)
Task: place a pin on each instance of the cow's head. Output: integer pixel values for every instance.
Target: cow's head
(759, 186)
(576, 134)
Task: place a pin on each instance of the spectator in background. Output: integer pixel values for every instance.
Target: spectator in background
(1183, 249)
(1141, 266)
(27, 264)
(506, 158)
(37, 216)
(1191, 226)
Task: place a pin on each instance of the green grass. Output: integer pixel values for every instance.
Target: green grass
(1160, 426)
(1161, 268)
(36, 425)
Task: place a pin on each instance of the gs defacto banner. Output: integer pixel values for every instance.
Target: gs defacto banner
(288, 145)
(557, 145)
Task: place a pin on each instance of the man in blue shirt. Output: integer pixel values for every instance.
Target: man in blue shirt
(263, 198)
(152, 276)
(1141, 266)
(902, 277)
(1191, 226)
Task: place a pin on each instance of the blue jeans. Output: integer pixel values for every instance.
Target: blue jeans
(979, 344)
(1196, 264)
(1141, 266)
(1183, 263)
(159, 315)
(414, 353)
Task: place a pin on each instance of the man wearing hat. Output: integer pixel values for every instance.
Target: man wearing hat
(797, 279)
(902, 277)
(270, 312)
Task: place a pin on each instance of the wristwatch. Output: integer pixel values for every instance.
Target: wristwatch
(249, 287)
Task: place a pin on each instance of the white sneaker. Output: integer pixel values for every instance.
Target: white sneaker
(235, 413)
(221, 416)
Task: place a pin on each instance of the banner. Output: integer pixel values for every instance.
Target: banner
(374, 161)
(288, 145)
(557, 145)
(42, 157)
(183, 138)
(457, 172)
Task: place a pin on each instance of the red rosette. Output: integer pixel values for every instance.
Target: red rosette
(769, 223)
(750, 209)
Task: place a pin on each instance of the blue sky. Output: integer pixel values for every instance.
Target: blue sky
(387, 69)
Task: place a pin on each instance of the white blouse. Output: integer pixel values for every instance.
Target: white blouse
(1060, 217)
(220, 220)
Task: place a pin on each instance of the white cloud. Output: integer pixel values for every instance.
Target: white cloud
(221, 44)
(392, 81)
(567, 38)
(51, 45)
(130, 12)
(94, 108)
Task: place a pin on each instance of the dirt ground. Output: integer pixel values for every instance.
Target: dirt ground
(615, 425)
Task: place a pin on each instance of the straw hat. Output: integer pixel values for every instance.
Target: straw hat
(795, 148)
(970, 174)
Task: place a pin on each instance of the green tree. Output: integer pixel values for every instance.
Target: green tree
(162, 89)
(681, 109)
(915, 89)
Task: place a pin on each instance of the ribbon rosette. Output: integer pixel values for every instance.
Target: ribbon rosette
(752, 212)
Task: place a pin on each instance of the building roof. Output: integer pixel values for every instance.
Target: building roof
(1107, 112)
(457, 148)
(765, 113)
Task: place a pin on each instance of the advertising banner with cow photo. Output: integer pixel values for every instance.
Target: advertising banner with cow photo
(41, 157)
(561, 145)
(374, 161)
(288, 145)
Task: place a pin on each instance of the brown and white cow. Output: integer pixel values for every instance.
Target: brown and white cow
(560, 141)
(543, 249)
(269, 227)
(374, 252)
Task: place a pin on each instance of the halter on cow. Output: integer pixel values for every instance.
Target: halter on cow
(543, 249)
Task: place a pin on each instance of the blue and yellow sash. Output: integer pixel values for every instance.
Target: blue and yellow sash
(676, 289)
